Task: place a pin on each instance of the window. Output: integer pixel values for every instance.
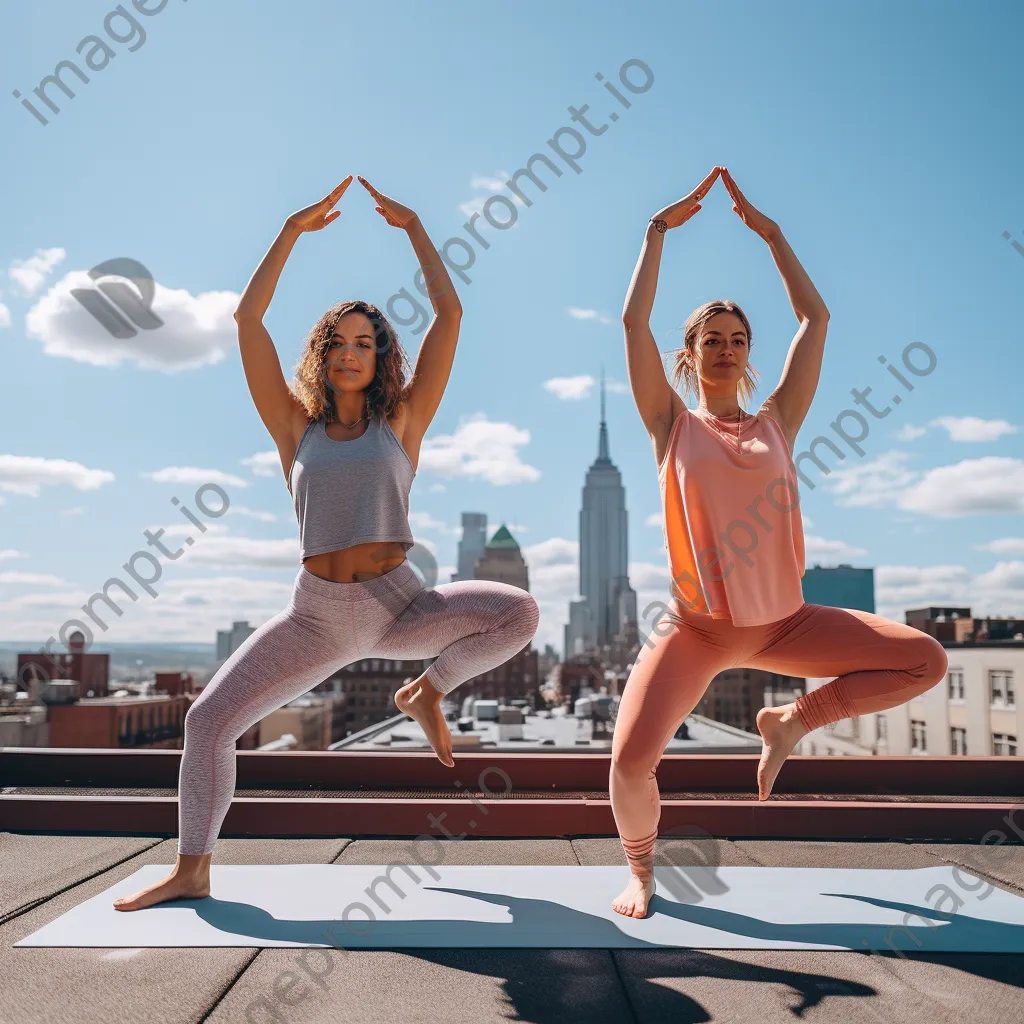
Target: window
(958, 740)
(956, 684)
(882, 725)
(918, 741)
(1004, 744)
(1000, 684)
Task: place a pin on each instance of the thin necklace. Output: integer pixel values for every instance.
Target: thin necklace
(741, 416)
(350, 425)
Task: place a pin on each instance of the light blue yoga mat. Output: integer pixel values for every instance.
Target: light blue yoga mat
(361, 906)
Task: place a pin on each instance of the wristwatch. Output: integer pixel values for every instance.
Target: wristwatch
(660, 224)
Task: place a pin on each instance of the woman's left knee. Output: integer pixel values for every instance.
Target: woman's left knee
(527, 615)
(933, 655)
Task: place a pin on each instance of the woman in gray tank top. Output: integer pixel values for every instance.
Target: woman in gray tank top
(348, 433)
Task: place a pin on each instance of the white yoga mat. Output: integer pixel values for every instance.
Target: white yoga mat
(934, 909)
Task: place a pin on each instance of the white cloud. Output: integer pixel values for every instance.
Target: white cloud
(25, 474)
(908, 432)
(574, 388)
(184, 609)
(5, 316)
(1003, 546)
(875, 483)
(7, 553)
(655, 519)
(32, 579)
(194, 475)
(818, 549)
(997, 592)
(578, 313)
(479, 449)
(241, 510)
(425, 521)
(567, 388)
(495, 184)
(30, 274)
(993, 484)
(437, 489)
(217, 547)
(75, 510)
(244, 552)
(554, 581)
(188, 530)
(899, 587)
(197, 330)
(264, 463)
(972, 428)
(492, 186)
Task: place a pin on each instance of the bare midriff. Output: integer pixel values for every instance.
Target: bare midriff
(358, 563)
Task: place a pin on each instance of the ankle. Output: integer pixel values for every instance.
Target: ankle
(192, 867)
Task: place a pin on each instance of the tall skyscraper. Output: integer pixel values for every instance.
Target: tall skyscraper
(471, 544)
(841, 586)
(608, 605)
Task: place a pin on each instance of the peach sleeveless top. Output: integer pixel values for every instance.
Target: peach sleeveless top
(733, 530)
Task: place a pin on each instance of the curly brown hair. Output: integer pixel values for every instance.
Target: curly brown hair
(383, 394)
(685, 367)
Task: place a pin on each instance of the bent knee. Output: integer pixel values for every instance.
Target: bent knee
(933, 662)
(526, 615)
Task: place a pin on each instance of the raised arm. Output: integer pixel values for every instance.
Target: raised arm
(279, 409)
(437, 350)
(655, 397)
(792, 397)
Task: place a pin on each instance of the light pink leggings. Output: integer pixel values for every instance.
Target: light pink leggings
(470, 626)
(878, 664)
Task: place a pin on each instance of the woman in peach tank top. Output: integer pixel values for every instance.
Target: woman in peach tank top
(735, 544)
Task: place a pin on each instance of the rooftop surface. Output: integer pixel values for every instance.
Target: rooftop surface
(74, 822)
(546, 733)
(46, 875)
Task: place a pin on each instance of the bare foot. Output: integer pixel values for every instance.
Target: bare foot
(176, 886)
(781, 729)
(634, 899)
(422, 703)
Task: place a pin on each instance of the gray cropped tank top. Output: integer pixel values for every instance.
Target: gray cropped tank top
(350, 492)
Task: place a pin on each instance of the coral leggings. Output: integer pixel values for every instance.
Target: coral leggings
(878, 664)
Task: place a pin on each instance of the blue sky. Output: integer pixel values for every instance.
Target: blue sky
(884, 139)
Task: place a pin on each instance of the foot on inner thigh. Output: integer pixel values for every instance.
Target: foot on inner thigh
(781, 729)
(636, 897)
(178, 885)
(421, 702)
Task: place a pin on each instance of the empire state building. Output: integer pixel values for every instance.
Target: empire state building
(608, 603)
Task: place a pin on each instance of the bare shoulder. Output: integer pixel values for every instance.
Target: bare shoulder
(770, 408)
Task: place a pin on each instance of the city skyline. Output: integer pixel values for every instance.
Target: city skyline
(100, 433)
